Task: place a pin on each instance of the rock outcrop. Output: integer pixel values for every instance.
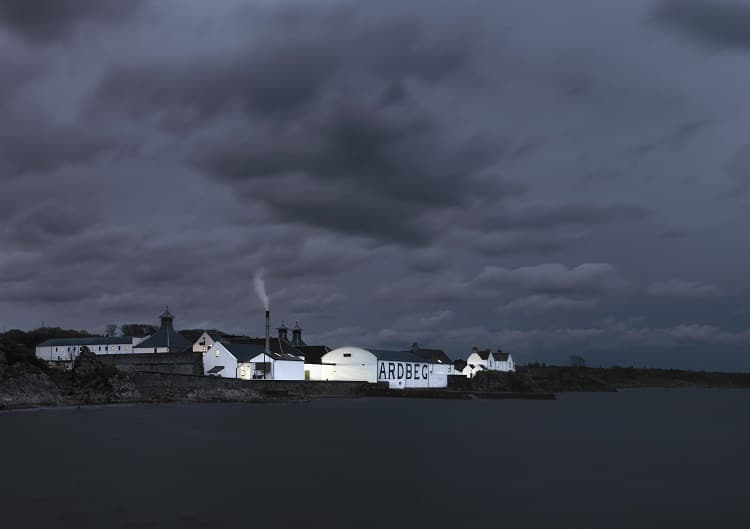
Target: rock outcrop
(25, 385)
(95, 382)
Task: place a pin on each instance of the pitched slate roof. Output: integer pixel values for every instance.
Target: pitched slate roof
(165, 337)
(500, 356)
(484, 355)
(243, 352)
(433, 356)
(312, 353)
(396, 356)
(459, 364)
(281, 356)
(88, 341)
(214, 370)
(277, 346)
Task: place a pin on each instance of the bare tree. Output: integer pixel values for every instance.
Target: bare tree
(111, 330)
(577, 361)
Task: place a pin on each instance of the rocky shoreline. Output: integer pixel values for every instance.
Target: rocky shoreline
(29, 384)
(558, 379)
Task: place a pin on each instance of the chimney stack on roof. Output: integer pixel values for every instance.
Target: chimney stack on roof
(283, 331)
(268, 332)
(297, 335)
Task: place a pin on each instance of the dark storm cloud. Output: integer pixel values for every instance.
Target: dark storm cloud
(553, 277)
(334, 132)
(48, 20)
(550, 215)
(401, 170)
(737, 175)
(31, 142)
(295, 60)
(681, 133)
(718, 23)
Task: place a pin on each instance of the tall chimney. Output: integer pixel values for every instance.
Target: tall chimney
(268, 332)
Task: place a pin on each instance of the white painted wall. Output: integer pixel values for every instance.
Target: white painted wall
(401, 375)
(506, 365)
(61, 353)
(151, 350)
(349, 363)
(288, 370)
(475, 359)
(218, 355)
(314, 372)
(203, 343)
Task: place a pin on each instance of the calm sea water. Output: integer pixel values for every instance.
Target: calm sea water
(652, 458)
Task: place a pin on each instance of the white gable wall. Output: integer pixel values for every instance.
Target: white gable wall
(348, 363)
(218, 355)
(203, 343)
(476, 360)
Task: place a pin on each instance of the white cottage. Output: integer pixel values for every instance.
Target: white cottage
(400, 369)
(488, 360)
(249, 361)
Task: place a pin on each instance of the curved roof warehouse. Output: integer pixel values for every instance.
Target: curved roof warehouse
(400, 369)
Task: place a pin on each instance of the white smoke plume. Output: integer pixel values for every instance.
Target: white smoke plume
(260, 289)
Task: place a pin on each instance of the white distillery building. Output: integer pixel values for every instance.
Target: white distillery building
(488, 360)
(250, 361)
(400, 369)
(65, 350)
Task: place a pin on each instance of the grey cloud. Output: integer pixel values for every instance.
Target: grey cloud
(716, 23)
(43, 222)
(685, 289)
(519, 242)
(403, 171)
(545, 302)
(553, 277)
(48, 20)
(333, 129)
(736, 182)
(32, 142)
(550, 215)
(680, 133)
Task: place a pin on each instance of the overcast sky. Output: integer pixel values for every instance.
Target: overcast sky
(548, 177)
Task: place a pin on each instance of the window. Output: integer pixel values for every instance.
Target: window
(106, 347)
(55, 349)
(100, 347)
(217, 352)
(118, 347)
(347, 355)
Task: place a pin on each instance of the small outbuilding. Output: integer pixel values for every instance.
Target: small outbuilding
(250, 361)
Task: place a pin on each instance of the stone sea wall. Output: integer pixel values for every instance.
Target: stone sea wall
(174, 387)
(174, 363)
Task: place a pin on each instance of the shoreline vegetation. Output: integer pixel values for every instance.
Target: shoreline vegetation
(26, 382)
